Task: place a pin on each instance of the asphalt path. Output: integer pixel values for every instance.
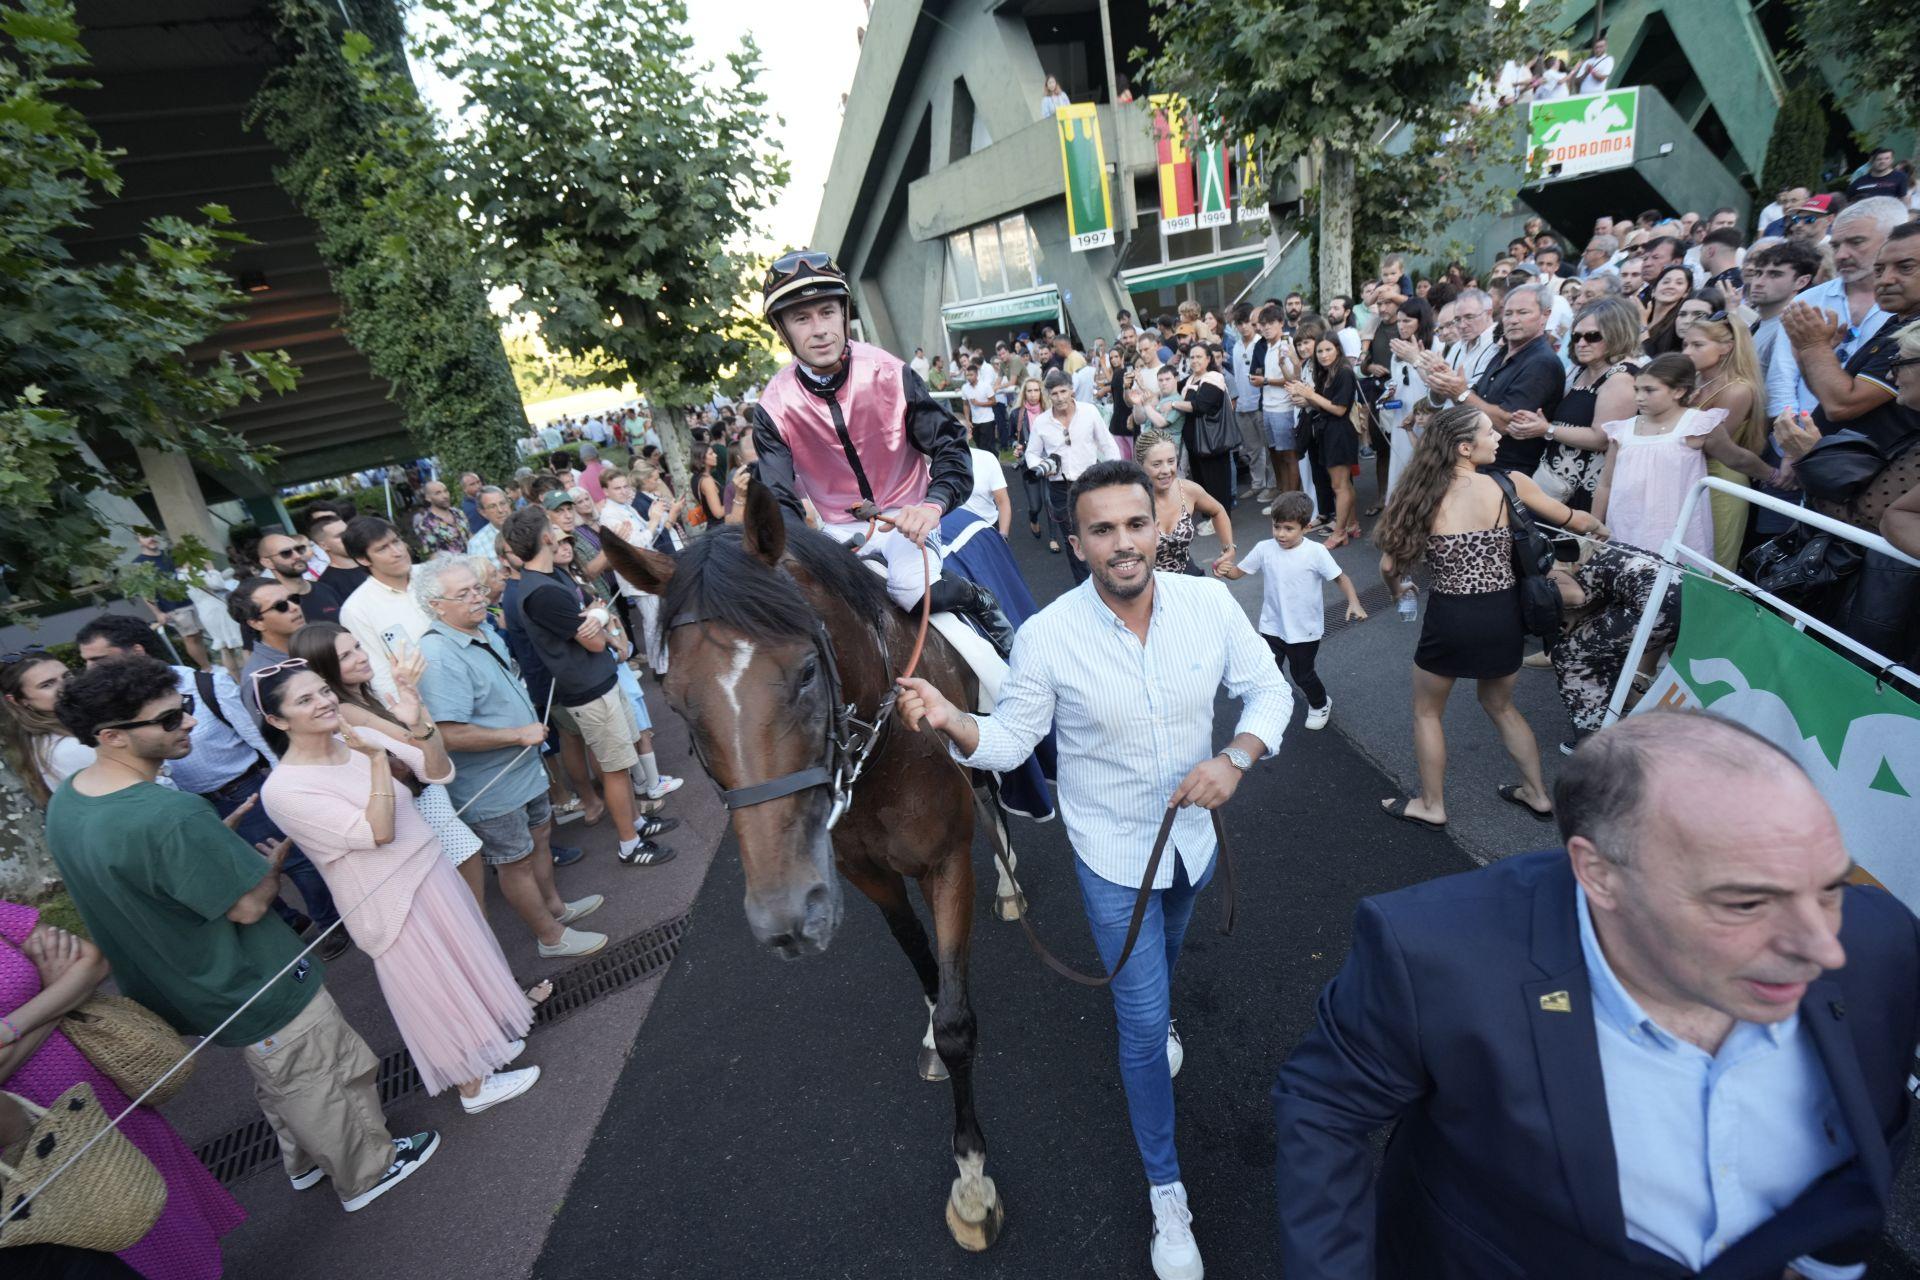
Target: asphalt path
(769, 1120)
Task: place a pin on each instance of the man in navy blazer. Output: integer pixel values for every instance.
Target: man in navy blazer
(1681, 1046)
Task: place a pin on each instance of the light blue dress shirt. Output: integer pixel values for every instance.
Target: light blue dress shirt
(1786, 388)
(470, 679)
(1133, 719)
(221, 752)
(1709, 1146)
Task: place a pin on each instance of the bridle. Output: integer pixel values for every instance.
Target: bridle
(850, 742)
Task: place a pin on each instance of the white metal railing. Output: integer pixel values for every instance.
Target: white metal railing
(1676, 557)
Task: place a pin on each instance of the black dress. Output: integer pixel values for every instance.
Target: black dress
(1333, 434)
(1578, 470)
(1472, 630)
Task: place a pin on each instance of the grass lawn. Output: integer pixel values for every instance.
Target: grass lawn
(60, 912)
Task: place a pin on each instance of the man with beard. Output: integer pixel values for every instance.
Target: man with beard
(1849, 297)
(1125, 668)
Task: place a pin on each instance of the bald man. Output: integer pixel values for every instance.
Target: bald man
(284, 557)
(1678, 1046)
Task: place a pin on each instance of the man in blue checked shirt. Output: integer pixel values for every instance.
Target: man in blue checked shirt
(1126, 667)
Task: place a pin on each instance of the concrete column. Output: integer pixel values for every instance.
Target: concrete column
(176, 492)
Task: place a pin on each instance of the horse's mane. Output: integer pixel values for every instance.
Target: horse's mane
(717, 578)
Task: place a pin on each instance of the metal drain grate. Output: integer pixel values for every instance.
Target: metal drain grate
(1376, 600)
(245, 1151)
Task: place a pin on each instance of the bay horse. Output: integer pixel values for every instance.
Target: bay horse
(783, 648)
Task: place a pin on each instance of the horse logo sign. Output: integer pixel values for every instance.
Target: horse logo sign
(1587, 134)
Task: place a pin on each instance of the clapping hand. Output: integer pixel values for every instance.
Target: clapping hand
(1809, 326)
(1403, 350)
(1795, 434)
(1448, 382)
(1526, 424)
(275, 851)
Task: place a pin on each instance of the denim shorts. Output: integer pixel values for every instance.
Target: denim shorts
(508, 837)
(1280, 429)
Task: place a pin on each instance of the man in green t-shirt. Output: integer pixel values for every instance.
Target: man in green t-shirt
(180, 905)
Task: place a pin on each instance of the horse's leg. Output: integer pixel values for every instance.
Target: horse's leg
(974, 1211)
(1008, 902)
(888, 891)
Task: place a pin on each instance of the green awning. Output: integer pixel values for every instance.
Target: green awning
(1146, 279)
(1039, 304)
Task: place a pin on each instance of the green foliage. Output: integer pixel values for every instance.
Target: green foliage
(363, 164)
(1332, 81)
(1874, 42)
(1796, 153)
(542, 374)
(612, 180)
(93, 354)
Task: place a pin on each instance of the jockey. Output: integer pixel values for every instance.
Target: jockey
(854, 429)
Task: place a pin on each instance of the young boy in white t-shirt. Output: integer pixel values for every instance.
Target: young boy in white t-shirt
(1292, 603)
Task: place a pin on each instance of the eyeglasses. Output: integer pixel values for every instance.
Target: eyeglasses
(1804, 219)
(470, 593)
(1589, 335)
(299, 552)
(168, 721)
(31, 651)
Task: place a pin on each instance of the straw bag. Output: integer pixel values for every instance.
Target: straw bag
(107, 1201)
(130, 1044)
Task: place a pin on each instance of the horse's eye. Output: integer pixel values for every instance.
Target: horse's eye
(809, 672)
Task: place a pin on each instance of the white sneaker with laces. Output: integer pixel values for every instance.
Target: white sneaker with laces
(1176, 1254)
(1176, 1052)
(500, 1087)
(1317, 717)
(668, 785)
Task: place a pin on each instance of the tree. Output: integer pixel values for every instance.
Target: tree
(93, 355)
(614, 183)
(1331, 83)
(363, 164)
(543, 375)
(1874, 42)
(1797, 151)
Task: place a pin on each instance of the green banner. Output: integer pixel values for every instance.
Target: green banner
(1857, 737)
(1213, 186)
(1588, 134)
(1084, 162)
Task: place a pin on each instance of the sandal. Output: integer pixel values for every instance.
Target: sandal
(1511, 794)
(1053, 547)
(1398, 809)
(1338, 541)
(1371, 512)
(539, 992)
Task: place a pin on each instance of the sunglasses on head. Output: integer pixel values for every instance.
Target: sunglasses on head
(167, 721)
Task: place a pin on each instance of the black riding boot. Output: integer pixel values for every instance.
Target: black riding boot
(954, 594)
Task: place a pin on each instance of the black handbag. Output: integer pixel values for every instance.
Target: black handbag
(1803, 566)
(1215, 434)
(1842, 464)
(1540, 604)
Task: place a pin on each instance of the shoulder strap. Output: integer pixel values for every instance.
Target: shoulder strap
(210, 699)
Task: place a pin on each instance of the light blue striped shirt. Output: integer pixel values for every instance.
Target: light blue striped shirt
(1711, 1145)
(1787, 389)
(222, 749)
(1133, 719)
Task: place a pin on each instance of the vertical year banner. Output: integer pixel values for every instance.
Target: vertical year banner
(1084, 161)
(1253, 191)
(1857, 737)
(1213, 179)
(1170, 127)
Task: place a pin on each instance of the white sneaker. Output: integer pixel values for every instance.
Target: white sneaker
(1176, 1052)
(1206, 528)
(500, 1087)
(1317, 717)
(668, 785)
(1176, 1254)
(573, 942)
(582, 907)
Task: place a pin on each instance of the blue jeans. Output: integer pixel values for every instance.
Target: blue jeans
(1142, 999)
(258, 828)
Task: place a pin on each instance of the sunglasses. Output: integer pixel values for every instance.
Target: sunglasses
(1589, 335)
(279, 606)
(1804, 219)
(31, 651)
(291, 664)
(788, 265)
(299, 552)
(167, 721)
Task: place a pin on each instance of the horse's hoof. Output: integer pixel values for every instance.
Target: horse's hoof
(1011, 907)
(931, 1068)
(976, 1236)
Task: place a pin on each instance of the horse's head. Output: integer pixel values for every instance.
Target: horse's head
(747, 673)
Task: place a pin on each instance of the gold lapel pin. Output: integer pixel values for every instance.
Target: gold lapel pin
(1556, 1002)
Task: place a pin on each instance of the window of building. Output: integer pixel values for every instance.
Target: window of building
(960, 136)
(991, 259)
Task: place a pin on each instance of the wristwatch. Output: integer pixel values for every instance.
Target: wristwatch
(1237, 758)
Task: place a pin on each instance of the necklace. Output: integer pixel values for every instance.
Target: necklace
(1700, 393)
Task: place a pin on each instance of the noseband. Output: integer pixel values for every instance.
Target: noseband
(849, 745)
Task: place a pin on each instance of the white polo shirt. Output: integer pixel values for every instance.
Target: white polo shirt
(383, 620)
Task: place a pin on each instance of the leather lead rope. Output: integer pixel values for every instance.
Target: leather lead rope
(1072, 974)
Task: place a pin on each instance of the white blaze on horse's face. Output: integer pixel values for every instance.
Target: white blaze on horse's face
(730, 679)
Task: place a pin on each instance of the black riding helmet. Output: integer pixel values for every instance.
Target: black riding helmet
(801, 276)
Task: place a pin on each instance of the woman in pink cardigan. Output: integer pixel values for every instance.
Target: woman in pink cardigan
(446, 983)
